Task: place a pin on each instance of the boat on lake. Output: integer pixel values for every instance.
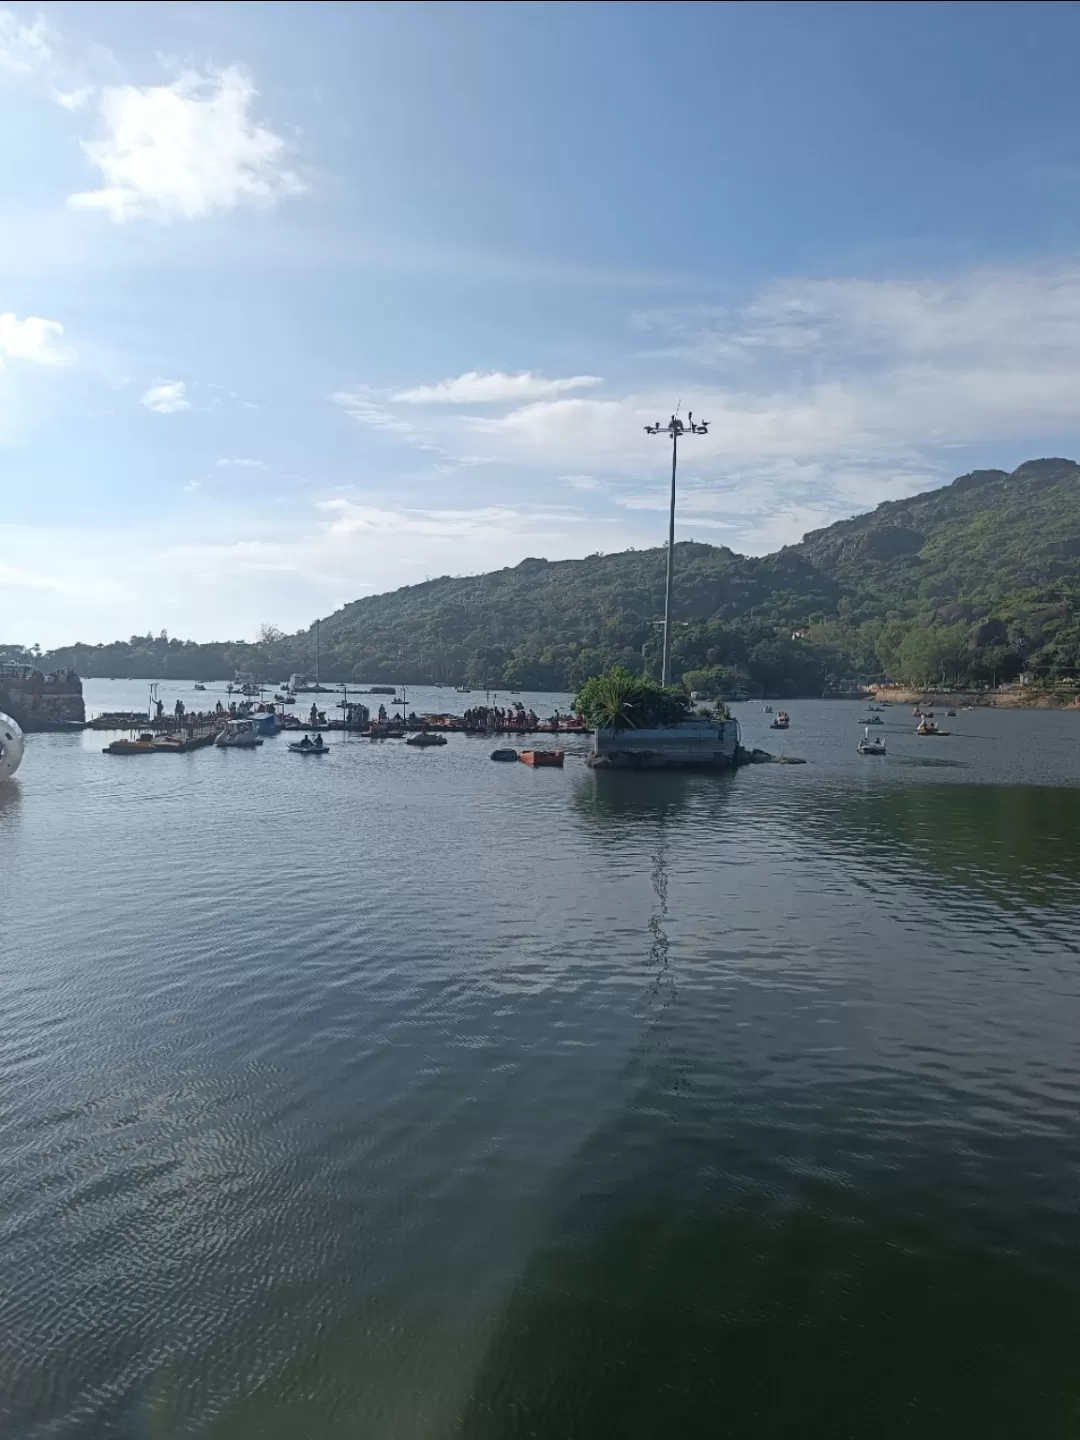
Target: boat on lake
(871, 745)
(143, 745)
(239, 735)
(265, 722)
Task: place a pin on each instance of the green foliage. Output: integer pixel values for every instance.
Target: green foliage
(715, 679)
(623, 701)
(977, 581)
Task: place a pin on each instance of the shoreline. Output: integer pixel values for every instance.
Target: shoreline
(982, 699)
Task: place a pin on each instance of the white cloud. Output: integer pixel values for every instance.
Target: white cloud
(184, 150)
(166, 397)
(33, 339)
(489, 387)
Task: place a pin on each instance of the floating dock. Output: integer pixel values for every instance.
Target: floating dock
(150, 744)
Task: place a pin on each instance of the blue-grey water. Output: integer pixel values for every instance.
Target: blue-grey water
(403, 1094)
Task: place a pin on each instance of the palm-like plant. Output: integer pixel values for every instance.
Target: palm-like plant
(613, 700)
(618, 700)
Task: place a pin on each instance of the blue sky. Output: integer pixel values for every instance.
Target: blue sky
(303, 302)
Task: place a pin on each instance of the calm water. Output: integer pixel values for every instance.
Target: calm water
(402, 1094)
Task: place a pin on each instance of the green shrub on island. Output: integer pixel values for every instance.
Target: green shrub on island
(618, 700)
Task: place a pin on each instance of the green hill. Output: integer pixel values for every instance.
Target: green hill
(975, 581)
(986, 536)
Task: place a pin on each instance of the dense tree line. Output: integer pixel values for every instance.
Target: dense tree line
(973, 583)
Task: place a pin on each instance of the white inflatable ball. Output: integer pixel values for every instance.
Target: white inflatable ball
(11, 746)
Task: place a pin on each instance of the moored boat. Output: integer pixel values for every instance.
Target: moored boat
(239, 735)
(144, 745)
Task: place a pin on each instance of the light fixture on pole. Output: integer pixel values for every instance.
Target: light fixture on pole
(676, 429)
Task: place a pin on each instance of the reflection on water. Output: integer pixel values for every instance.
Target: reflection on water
(1008, 841)
(10, 798)
(412, 1095)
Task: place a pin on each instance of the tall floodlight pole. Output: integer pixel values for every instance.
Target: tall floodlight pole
(676, 429)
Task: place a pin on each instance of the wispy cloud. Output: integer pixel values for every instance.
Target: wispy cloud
(490, 387)
(364, 406)
(33, 339)
(166, 397)
(35, 53)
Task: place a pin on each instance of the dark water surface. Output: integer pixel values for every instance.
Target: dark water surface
(402, 1094)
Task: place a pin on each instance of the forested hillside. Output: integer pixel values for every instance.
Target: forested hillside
(975, 581)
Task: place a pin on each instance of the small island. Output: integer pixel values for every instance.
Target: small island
(639, 724)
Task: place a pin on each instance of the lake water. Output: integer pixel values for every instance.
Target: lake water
(403, 1094)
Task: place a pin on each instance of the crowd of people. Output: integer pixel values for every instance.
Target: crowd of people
(479, 719)
(495, 717)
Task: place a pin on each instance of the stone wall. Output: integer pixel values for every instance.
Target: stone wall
(41, 702)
